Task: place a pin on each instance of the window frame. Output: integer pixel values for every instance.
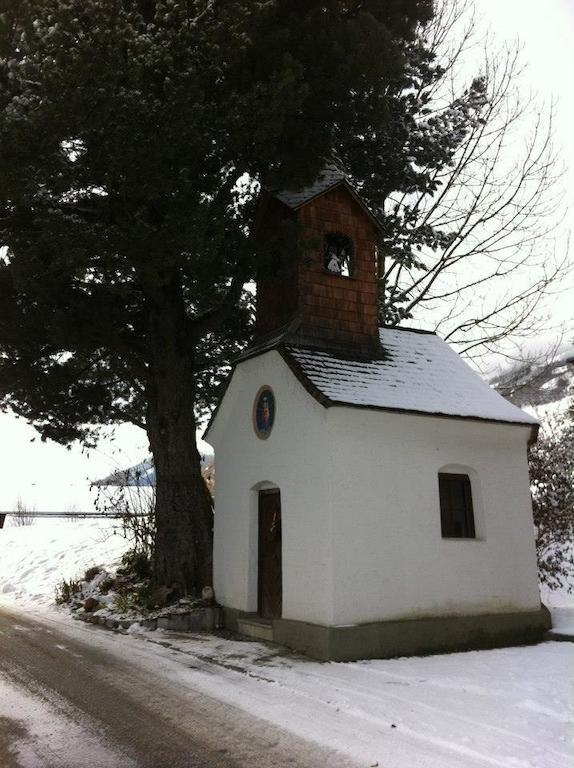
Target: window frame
(450, 514)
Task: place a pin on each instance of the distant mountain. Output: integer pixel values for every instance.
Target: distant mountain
(538, 381)
(142, 474)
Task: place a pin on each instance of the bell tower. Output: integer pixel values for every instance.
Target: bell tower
(328, 300)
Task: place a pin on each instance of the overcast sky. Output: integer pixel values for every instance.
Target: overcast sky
(546, 31)
(51, 478)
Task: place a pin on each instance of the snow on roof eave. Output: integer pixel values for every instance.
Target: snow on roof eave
(329, 402)
(286, 197)
(316, 388)
(438, 376)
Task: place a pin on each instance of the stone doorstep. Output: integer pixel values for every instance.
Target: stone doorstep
(255, 627)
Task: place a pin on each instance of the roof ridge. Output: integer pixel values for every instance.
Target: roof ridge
(406, 328)
(329, 178)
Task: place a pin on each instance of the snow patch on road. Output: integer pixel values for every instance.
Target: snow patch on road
(40, 730)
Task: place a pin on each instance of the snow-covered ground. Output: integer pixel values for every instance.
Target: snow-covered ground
(35, 558)
(509, 708)
(561, 605)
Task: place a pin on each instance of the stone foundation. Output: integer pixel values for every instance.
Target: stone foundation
(411, 637)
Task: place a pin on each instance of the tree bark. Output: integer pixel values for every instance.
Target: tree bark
(184, 512)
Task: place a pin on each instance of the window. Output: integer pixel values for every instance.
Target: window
(456, 512)
(339, 251)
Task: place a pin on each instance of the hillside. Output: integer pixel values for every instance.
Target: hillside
(539, 381)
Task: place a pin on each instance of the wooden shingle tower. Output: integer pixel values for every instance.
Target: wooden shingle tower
(328, 299)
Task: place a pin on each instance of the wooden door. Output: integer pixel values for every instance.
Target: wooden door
(270, 583)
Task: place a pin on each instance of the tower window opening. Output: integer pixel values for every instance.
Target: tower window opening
(339, 254)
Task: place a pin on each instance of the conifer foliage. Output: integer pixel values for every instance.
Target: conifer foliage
(128, 129)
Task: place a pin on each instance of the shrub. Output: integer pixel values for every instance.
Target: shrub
(122, 603)
(65, 590)
(92, 572)
(137, 563)
(551, 462)
(23, 515)
(135, 504)
(105, 585)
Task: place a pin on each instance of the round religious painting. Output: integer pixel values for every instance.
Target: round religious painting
(264, 412)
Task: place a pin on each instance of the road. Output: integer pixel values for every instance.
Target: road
(67, 702)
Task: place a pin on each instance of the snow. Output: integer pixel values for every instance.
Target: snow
(550, 413)
(329, 178)
(35, 558)
(421, 374)
(502, 708)
(563, 619)
(508, 708)
(560, 602)
(44, 730)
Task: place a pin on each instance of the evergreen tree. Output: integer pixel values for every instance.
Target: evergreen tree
(134, 135)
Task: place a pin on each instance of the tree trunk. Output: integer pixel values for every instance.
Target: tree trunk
(184, 512)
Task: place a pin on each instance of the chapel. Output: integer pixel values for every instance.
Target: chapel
(372, 491)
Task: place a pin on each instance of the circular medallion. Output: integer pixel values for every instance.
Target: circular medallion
(264, 412)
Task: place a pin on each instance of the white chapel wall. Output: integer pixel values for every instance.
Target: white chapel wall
(391, 560)
(295, 459)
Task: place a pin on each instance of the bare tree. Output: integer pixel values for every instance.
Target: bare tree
(493, 208)
(130, 494)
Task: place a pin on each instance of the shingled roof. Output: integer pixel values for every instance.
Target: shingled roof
(420, 373)
(328, 179)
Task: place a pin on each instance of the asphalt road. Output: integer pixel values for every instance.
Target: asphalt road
(122, 715)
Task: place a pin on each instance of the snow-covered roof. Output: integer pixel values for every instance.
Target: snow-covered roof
(421, 373)
(327, 179)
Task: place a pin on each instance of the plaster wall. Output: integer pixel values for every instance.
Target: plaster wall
(391, 560)
(293, 458)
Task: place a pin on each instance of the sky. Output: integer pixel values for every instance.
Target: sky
(546, 32)
(49, 477)
(543, 33)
